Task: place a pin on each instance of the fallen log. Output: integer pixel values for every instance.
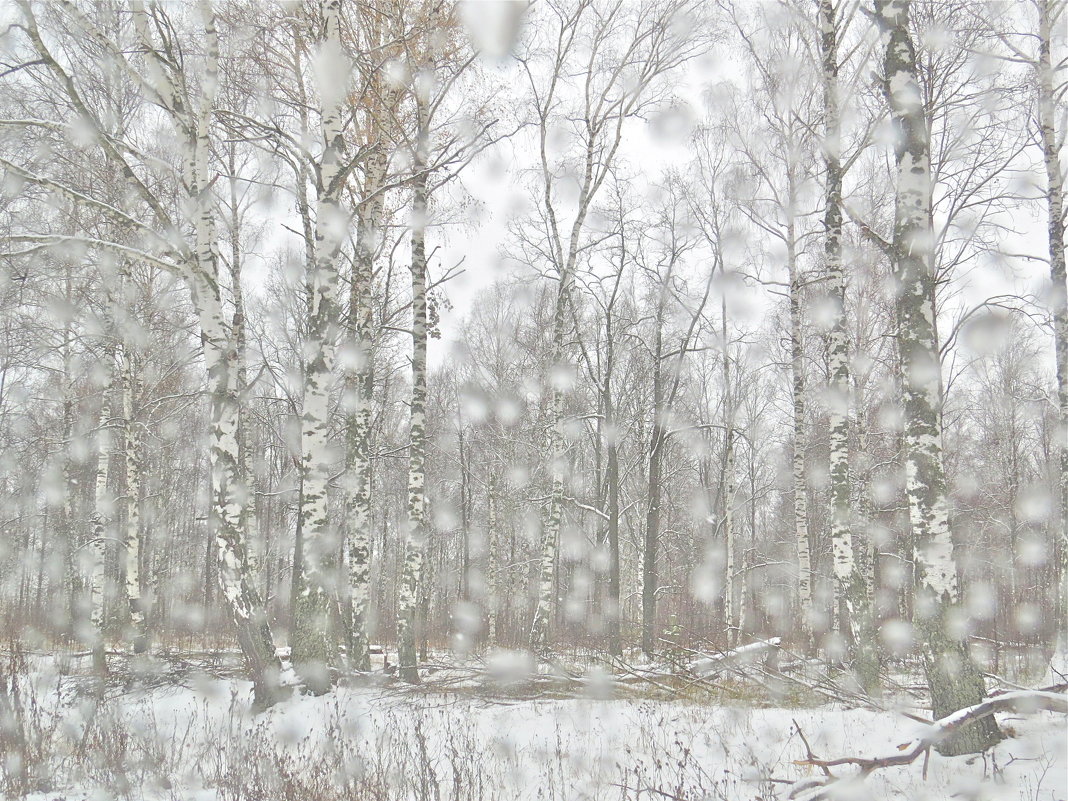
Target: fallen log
(1020, 701)
(708, 665)
(704, 665)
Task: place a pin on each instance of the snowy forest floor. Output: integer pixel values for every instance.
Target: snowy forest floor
(184, 732)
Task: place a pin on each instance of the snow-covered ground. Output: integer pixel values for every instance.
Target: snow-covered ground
(197, 742)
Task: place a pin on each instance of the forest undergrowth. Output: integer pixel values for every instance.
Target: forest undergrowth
(166, 729)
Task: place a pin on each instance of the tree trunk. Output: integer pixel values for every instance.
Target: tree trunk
(539, 630)
(1047, 116)
(360, 395)
(954, 679)
(613, 610)
(492, 564)
(228, 513)
(192, 126)
(100, 522)
(247, 609)
(238, 328)
(652, 514)
(726, 484)
(853, 606)
(800, 486)
(415, 540)
(131, 384)
(314, 640)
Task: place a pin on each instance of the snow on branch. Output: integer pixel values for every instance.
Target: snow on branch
(39, 242)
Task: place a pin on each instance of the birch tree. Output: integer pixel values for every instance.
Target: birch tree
(382, 101)
(618, 56)
(436, 61)
(854, 616)
(187, 107)
(416, 532)
(103, 509)
(315, 642)
(954, 679)
(779, 204)
(1051, 91)
(131, 386)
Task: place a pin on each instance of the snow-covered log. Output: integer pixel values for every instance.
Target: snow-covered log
(706, 665)
(716, 663)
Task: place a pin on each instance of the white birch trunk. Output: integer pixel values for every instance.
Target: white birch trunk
(730, 617)
(559, 379)
(491, 563)
(102, 511)
(221, 360)
(1047, 118)
(730, 605)
(800, 443)
(838, 351)
(131, 386)
(314, 643)
(250, 527)
(416, 533)
(360, 397)
(853, 618)
(539, 630)
(954, 679)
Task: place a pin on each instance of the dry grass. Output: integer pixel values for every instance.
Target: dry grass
(59, 732)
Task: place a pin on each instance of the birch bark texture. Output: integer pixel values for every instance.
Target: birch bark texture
(360, 397)
(852, 595)
(359, 374)
(103, 509)
(416, 533)
(1050, 12)
(954, 680)
(731, 618)
(728, 482)
(131, 389)
(800, 439)
(221, 357)
(315, 640)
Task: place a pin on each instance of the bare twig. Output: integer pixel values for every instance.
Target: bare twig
(1026, 701)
